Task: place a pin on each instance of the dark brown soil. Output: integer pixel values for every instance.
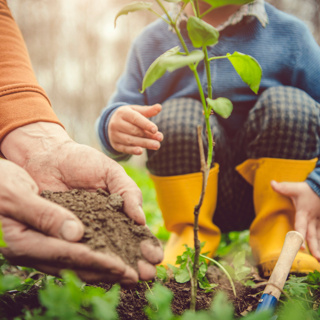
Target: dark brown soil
(133, 301)
(107, 228)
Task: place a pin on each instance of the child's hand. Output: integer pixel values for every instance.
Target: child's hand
(307, 205)
(130, 131)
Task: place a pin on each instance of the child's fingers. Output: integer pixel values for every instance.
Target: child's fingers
(148, 111)
(140, 121)
(313, 240)
(130, 144)
(301, 223)
(130, 129)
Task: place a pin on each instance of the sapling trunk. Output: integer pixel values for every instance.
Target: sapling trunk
(197, 246)
(205, 165)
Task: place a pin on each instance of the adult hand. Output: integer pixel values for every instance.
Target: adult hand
(57, 163)
(130, 130)
(307, 206)
(48, 245)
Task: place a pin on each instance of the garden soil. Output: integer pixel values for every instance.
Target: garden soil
(108, 229)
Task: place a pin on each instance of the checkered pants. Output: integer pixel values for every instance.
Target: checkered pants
(284, 123)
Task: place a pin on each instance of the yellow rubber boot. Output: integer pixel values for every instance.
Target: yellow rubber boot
(275, 214)
(177, 196)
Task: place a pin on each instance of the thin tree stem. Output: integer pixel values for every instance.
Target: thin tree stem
(197, 246)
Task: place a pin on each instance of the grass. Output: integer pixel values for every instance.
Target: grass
(150, 205)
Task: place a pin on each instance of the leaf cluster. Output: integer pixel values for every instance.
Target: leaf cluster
(202, 35)
(71, 299)
(238, 269)
(184, 272)
(221, 309)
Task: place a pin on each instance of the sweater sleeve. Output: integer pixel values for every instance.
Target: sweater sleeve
(22, 100)
(306, 76)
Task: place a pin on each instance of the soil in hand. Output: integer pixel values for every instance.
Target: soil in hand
(107, 228)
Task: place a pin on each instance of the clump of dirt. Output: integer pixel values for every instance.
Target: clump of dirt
(107, 228)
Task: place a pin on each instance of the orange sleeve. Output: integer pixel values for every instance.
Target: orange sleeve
(22, 100)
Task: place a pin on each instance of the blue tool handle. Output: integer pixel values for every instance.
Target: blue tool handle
(267, 302)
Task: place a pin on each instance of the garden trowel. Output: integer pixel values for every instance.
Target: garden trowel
(272, 292)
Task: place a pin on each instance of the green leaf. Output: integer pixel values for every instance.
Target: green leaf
(296, 286)
(178, 61)
(221, 308)
(2, 242)
(160, 303)
(201, 33)
(314, 278)
(182, 275)
(221, 3)
(261, 315)
(241, 270)
(222, 106)
(206, 285)
(202, 270)
(162, 273)
(9, 282)
(248, 69)
(173, 1)
(104, 307)
(132, 7)
(239, 259)
(157, 69)
(200, 315)
(55, 298)
(172, 267)
(170, 61)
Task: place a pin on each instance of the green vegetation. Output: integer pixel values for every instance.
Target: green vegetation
(150, 205)
(68, 298)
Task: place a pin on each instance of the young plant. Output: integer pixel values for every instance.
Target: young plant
(201, 35)
(184, 272)
(238, 269)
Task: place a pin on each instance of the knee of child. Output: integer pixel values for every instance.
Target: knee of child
(283, 105)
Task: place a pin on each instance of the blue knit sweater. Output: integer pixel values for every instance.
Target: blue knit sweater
(285, 49)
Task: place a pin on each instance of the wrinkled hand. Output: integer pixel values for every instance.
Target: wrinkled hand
(21, 207)
(307, 205)
(57, 163)
(130, 131)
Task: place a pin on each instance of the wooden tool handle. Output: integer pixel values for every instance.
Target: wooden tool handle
(291, 246)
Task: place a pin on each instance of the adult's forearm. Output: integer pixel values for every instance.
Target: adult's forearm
(22, 100)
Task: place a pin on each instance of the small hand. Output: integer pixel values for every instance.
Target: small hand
(307, 205)
(130, 131)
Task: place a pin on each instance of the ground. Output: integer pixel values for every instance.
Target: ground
(120, 235)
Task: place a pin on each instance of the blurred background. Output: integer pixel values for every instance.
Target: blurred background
(78, 55)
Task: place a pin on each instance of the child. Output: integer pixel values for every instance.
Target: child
(272, 136)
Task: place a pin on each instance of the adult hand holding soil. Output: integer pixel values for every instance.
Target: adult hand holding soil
(130, 130)
(35, 231)
(57, 163)
(307, 205)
